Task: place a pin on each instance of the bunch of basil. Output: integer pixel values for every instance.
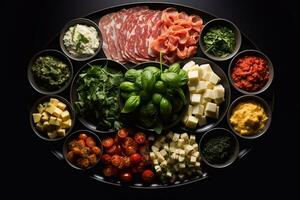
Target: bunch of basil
(156, 96)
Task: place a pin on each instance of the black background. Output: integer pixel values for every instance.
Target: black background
(267, 168)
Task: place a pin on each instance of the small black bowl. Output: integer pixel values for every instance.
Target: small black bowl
(211, 123)
(220, 22)
(132, 118)
(34, 110)
(257, 99)
(251, 52)
(217, 132)
(74, 96)
(74, 136)
(56, 54)
(81, 21)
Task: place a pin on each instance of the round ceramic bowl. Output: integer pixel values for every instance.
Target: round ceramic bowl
(256, 99)
(36, 83)
(222, 23)
(41, 134)
(75, 137)
(87, 119)
(215, 133)
(256, 53)
(80, 21)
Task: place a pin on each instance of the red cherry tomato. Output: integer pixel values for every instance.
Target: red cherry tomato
(106, 159)
(110, 170)
(135, 158)
(96, 150)
(81, 143)
(148, 176)
(122, 133)
(90, 142)
(126, 176)
(140, 138)
(107, 142)
(144, 150)
(116, 160)
(128, 141)
(130, 150)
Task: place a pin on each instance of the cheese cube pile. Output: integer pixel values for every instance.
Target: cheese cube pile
(206, 94)
(52, 118)
(176, 156)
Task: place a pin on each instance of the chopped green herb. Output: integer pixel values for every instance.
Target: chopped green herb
(219, 41)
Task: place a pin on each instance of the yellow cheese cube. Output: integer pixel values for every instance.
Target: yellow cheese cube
(54, 101)
(195, 98)
(201, 87)
(50, 108)
(45, 116)
(52, 134)
(61, 132)
(198, 110)
(208, 95)
(40, 108)
(53, 121)
(61, 106)
(65, 115)
(211, 110)
(40, 126)
(36, 117)
(57, 112)
(58, 121)
(206, 68)
(66, 124)
(191, 122)
(46, 125)
(193, 76)
(202, 120)
(214, 78)
(192, 88)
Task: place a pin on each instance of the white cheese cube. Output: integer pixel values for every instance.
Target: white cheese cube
(191, 122)
(218, 96)
(202, 120)
(169, 174)
(188, 65)
(163, 164)
(177, 151)
(198, 110)
(155, 161)
(196, 154)
(180, 142)
(192, 139)
(193, 159)
(214, 78)
(190, 110)
(219, 87)
(36, 117)
(154, 148)
(193, 77)
(65, 115)
(206, 67)
(181, 158)
(195, 146)
(54, 101)
(211, 110)
(182, 165)
(195, 99)
(157, 168)
(206, 75)
(197, 164)
(184, 136)
(201, 87)
(152, 155)
(209, 95)
(192, 89)
(163, 153)
(188, 149)
(175, 137)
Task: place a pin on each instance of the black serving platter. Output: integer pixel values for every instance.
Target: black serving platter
(245, 145)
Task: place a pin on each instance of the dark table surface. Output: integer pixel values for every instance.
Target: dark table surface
(263, 23)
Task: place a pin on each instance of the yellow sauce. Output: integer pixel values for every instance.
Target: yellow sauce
(248, 118)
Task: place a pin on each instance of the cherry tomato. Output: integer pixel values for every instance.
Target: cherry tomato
(96, 150)
(110, 170)
(144, 150)
(90, 142)
(83, 163)
(127, 161)
(140, 167)
(82, 136)
(85, 151)
(135, 158)
(70, 156)
(122, 133)
(112, 150)
(130, 150)
(107, 142)
(116, 160)
(148, 176)
(106, 159)
(93, 159)
(81, 143)
(76, 150)
(128, 141)
(126, 176)
(140, 137)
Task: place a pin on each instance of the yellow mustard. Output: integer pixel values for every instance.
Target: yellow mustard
(248, 118)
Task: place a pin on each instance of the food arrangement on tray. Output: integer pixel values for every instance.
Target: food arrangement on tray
(161, 95)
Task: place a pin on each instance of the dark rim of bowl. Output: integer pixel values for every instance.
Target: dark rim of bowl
(233, 157)
(238, 38)
(175, 122)
(49, 52)
(43, 100)
(83, 121)
(257, 99)
(74, 135)
(72, 23)
(256, 53)
(221, 117)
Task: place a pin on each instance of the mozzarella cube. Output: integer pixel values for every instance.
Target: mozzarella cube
(209, 95)
(210, 85)
(206, 67)
(195, 99)
(163, 153)
(188, 65)
(152, 155)
(201, 87)
(191, 122)
(181, 165)
(65, 115)
(214, 78)
(211, 110)
(193, 77)
(175, 137)
(166, 147)
(184, 136)
(198, 110)
(181, 158)
(40, 108)
(195, 146)
(66, 124)
(202, 120)
(219, 87)
(54, 101)
(218, 95)
(154, 148)
(192, 139)
(206, 75)
(193, 159)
